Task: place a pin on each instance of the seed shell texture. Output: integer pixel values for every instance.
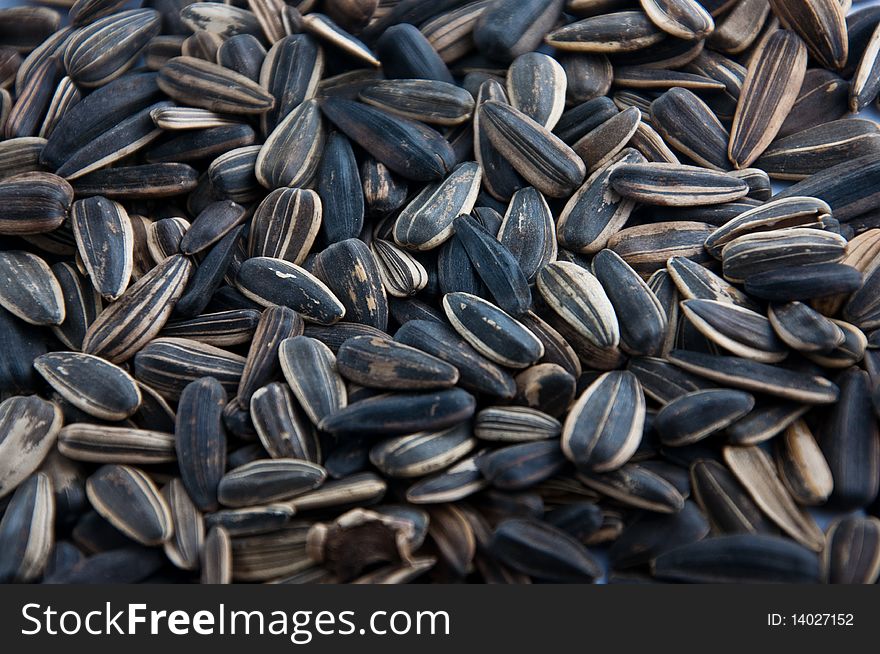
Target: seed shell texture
(105, 243)
(128, 499)
(542, 551)
(264, 481)
(624, 31)
(683, 19)
(279, 423)
(207, 85)
(27, 531)
(822, 26)
(310, 369)
(28, 430)
(852, 555)
(29, 289)
(692, 417)
(386, 364)
(290, 156)
(676, 185)
(200, 440)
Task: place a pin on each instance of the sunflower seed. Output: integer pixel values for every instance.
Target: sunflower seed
(688, 125)
(290, 72)
(27, 530)
(266, 481)
(823, 97)
(285, 225)
(739, 28)
(199, 83)
(577, 296)
(105, 444)
(29, 289)
(690, 418)
(29, 428)
(804, 282)
(350, 271)
(184, 548)
(520, 466)
(683, 19)
(802, 467)
(422, 453)
(169, 364)
(216, 562)
(635, 486)
(506, 30)
(410, 149)
(852, 555)
(281, 428)
(130, 501)
(543, 551)
(34, 203)
(821, 24)
(675, 185)
(514, 424)
(725, 502)
(803, 328)
(250, 521)
(309, 367)
(737, 559)
(768, 94)
(736, 329)
(105, 243)
(276, 324)
(624, 31)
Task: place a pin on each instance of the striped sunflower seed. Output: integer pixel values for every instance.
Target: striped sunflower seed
(803, 328)
(29, 428)
(822, 26)
(339, 185)
(169, 364)
(423, 453)
(29, 289)
(185, 546)
(805, 282)
(290, 155)
(602, 144)
(692, 417)
(105, 444)
(536, 86)
(309, 367)
(94, 385)
(221, 328)
(105, 243)
(727, 505)
(769, 91)
(624, 31)
(283, 431)
(285, 224)
(651, 534)
(755, 471)
(261, 482)
(269, 282)
(683, 19)
(852, 555)
(290, 72)
(637, 487)
(428, 101)
(455, 483)
(740, 27)
(542, 551)
(402, 274)
(204, 84)
(262, 365)
(128, 499)
(216, 559)
(387, 364)
(27, 531)
(802, 466)
(251, 520)
(546, 387)
(823, 97)
(688, 125)
(738, 330)
(604, 427)
(506, 30)
(200, 440)
(34, 203)
(514, 424)
(491, 331)
(520, 466)
(675, 185)
(499, 177)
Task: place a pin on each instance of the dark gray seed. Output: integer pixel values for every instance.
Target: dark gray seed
(211, 225)
(757, 377)
(579, 299)
(718, 67)
(433, 102)
(226, 20)
(803, 328)
(125, 138)
(217, 557)
(161, 49)
(644, 330)
(822, 26)
(536, 85)
(755, 471)
(777, 214)
(737, 559)
(103, 444)
(207, 85)
(242, 53)
(765, 421)
(270, 282)
(309, 367)
(635, 486)
(604, 427)
(652, 534)
(201, 440)
(383, 192)
(128, 499)
(125, 565)
(28, 429)
(816, 148)
(95, 386)
(863, 87)
(29, 289)
(647, 77)
(508, 29)
(676, 185)
(267, 481)
(804, 282)
(27, 531)
(683, 19)
(543, 160)
(185, 546)
(285, 225)
(405, 53)
(350, 271)
(501, 179)
(154, 412)
(261, 557)
(33, 100)
(410, 149)
(361, 489)
(589, 75)
(339, 186)
(290, 155)
(692, 417)
(688, 125)
(595, 211)
(802, 466)
(20, 155)
(427, 221)
(450, 32)
(457, 482)
(250, 521)
(623, 31)
(197, 144)
(725, 502)
(602, 144)
(262, 366)
(290, 72)
(521, 466)
(556, 349)
(852, 555)
(209, 275)
(491, 331)
(282, 429)
(105, 243)
(333, 336)
(129, 323)
(149, 181)
(736, 329)
(849, 441)
(543, 551)
(476, 372)
(383, 363)
(422, 453)
(862, 307)
(169, 364)
(164, 236)
(768, 94)
(402, 413)
(823, 97)
(584, 118)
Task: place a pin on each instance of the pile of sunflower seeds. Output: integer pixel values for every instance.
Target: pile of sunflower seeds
(382, 291)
